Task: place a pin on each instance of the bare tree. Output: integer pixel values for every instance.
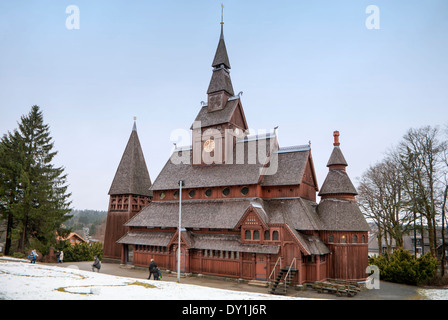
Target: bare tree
(381, 198)
(426, 150)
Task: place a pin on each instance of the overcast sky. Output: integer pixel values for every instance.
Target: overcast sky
(309, 67)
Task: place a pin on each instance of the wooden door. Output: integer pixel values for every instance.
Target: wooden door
(260, 267)
(182, 260)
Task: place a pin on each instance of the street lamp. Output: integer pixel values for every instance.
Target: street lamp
(181, 184)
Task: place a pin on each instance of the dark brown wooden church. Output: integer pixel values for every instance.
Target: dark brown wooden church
(248, 205)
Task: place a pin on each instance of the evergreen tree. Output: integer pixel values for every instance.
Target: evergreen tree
(9, 168)
(36, 190)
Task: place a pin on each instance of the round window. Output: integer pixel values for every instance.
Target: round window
(244, 191)
(162, 195)
(192, 193)
(208, 192)
(226, 192)
(176, 194)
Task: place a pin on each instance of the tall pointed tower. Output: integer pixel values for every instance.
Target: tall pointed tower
(129, 193)
(345, 229)
(223, 111)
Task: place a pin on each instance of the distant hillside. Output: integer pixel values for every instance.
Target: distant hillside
(88, 223)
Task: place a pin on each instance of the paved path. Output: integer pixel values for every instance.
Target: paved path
(387, 291)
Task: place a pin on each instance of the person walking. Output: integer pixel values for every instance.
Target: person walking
(61, 256)
(153, 270)
(96, 264)
(33, 256)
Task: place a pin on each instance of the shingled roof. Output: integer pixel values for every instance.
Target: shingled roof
(290, 169)
(220, 116)
(337, 182)
(132, 176)
(221, 57)
(336, 158)
(341, 215)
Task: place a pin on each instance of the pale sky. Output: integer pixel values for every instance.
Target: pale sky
(309, 67)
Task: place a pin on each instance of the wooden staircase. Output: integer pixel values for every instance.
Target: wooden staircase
(281, 284)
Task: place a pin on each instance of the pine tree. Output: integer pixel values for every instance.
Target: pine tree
(40, 201)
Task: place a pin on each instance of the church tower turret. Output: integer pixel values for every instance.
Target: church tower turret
(129, 193)
(337, 183)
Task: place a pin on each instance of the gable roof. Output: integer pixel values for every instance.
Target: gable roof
(291, 166)
(132, 176)
(220, 116)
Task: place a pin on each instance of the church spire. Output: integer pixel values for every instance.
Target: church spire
(220, 88)
(221, 57)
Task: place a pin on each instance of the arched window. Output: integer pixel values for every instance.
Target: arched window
(343, 238)
(363, 239)
(256, 235)
(355, 239)
(267, 235)
(331, 238)
(275, 235)
(247, 235)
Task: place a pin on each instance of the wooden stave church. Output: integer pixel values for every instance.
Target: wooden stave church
(238, 219)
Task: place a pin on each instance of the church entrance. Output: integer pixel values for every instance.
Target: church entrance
(182, 259)
(260, 267)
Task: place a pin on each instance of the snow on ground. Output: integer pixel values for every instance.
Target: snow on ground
(434, 294)
(21, 280)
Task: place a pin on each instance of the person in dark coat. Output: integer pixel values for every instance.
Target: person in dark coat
(96, 264)
(153, 270)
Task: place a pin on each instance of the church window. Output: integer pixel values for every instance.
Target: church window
(331, 238)
(256, 235)
(355, 239)
(226, 192)
(275, 235)
(208, 192)
(244, 191)
(247, 235)
(192, 193)
(267, 235)
(363, 238)
(176, 194)
(343, 239)
(162, 195)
